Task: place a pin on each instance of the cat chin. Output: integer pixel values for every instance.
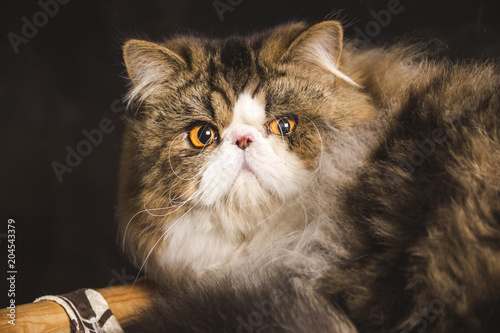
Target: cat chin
(247, 191)
(212, 240)
(228, 234)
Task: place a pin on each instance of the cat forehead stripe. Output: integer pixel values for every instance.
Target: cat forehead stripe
(248, 110)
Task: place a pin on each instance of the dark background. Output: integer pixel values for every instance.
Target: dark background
(70, 76)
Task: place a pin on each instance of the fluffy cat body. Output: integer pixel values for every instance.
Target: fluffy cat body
(382, 201)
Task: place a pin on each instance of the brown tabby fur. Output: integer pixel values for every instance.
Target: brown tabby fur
(411, 241)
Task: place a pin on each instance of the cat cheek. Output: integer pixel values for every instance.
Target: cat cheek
(277, 168)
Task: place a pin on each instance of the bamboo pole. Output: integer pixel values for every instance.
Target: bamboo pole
(47, 316)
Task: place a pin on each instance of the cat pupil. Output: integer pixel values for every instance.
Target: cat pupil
(204, 135)
(284, 126)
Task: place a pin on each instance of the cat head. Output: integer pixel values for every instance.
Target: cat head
(230, 128)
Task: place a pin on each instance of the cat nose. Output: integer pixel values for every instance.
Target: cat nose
(243, 140)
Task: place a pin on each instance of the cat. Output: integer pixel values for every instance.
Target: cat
(291, 181)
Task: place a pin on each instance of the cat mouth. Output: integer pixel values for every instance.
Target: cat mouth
(245, 167)
(247, 171)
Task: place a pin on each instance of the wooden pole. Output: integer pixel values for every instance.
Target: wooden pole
(47, 316)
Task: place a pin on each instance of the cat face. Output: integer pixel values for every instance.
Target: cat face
(254, 157)
(231, 128)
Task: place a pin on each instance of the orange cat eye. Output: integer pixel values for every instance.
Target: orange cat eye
(282, 126)
(201, 136)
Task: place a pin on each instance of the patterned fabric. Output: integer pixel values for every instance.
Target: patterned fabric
(87, 310)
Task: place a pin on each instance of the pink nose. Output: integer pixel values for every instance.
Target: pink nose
(243, 140)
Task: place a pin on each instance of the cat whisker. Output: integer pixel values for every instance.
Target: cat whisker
(320, 159)
(170, 162)
(124, 235)
(148, 210)
(172, 201)
(158, 241)
(273, 214)
(291, 235)
(177, 207)
(272, 261)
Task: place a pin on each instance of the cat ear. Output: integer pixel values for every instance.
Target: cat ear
(319, 48)
(144, 58)
(149, 64)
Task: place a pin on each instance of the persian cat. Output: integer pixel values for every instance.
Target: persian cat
(289, 181)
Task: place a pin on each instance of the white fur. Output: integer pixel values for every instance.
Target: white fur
(248, 110)
(265, 168)
(243, 199)
(323, 56)
(259, 206)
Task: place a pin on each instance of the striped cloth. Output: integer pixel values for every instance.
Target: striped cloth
(87, 310)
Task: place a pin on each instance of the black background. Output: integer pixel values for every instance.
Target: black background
(70, 76)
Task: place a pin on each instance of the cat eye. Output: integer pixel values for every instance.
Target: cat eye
(282, 125)
(201, 136)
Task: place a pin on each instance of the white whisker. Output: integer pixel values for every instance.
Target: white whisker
(273, 214)
(158, 241)
(170, 162)
(149, 210)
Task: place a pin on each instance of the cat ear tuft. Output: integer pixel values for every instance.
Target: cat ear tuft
(143, 58)
(147, 65)
(319, 47)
